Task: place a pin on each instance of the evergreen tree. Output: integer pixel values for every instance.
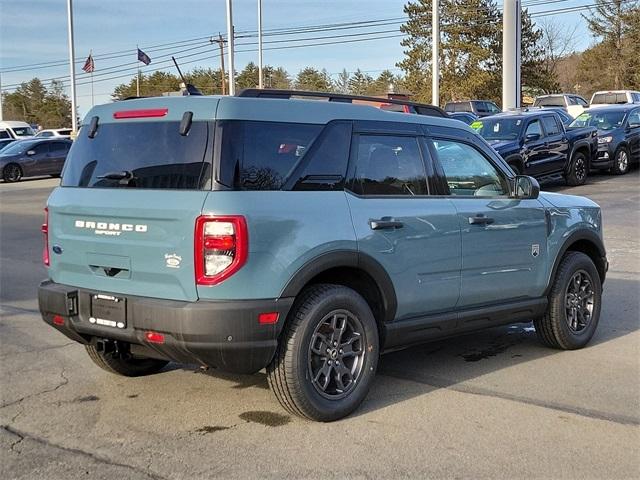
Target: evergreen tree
(360, 83)
(312, 79)
(34, 103)
(342, 84)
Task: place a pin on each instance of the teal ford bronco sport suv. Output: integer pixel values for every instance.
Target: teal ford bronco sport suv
(306, 237)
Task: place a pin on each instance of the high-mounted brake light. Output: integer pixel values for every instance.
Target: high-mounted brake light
(45, 231)
(142, 113)
(221, 247)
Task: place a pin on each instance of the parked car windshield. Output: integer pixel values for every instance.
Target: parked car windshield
(498, 128)
(549, 102)
(23, 131)
(600, 120)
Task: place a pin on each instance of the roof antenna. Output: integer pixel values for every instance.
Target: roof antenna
(191, 90)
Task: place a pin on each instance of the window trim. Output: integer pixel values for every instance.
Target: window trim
(353, 155)
(444, 186)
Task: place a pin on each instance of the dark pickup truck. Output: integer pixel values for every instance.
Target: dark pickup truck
(538, 144)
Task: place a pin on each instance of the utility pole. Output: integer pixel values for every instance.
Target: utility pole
(230, 35)
(260, 73)
(72, 68)
(511, 55)
(220, 43)
(435, 58)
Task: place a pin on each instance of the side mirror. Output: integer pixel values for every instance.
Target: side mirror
(526, 188)
(532, 137)
(31, 152)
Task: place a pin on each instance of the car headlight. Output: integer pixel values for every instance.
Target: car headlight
(607, 139)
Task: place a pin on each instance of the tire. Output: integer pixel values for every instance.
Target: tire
(620, 161)
(303, 374)
(554, 329)
(12, 173)
(124, 364)
(578, 170)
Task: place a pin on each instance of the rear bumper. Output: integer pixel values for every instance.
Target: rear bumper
(221, 334)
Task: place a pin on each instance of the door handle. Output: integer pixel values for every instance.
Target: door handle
(385, 223)
(480, 219)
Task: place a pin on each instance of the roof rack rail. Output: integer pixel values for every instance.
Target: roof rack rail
(412, 107)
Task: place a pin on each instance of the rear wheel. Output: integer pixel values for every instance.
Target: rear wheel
(578, 170)
(328, 354)
(123, 363)
(621, 162)
(12, 173)
(574, 304)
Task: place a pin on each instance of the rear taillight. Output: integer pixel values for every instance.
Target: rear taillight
(221, 247)
(45, 231)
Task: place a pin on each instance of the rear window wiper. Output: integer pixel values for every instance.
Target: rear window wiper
(122, 175)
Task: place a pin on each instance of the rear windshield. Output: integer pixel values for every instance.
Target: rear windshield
(610, 98)
(549, 102)
(141, 155)
(23, 131)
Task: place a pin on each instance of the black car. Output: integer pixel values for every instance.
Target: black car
(562, 113)
(33, 157)
(618, 135)
(481, 108)
(538, 144)
(465, 117)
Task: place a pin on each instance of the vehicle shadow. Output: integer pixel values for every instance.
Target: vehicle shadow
(456, 363)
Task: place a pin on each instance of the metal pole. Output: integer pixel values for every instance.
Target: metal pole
(91, 55)
(0, 97)
(138, 75)
(260, 73)
(230, 34)
(511, 55)
(435, 59)
(72, 67)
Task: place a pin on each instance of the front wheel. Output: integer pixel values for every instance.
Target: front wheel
(12, 173)
(578, 170)
(328, 354)
(574, 304)
(621, 162)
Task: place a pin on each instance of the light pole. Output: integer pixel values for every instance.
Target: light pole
(435, 59)
(511, 55)
(72, 67)
(260, 73)
(230, 34)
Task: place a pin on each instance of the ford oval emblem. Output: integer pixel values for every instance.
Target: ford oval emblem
(57, 249)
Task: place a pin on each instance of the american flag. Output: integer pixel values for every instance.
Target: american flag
(89, 66)
(143, 57)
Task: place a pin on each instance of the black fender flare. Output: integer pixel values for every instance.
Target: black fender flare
(346, 258)
(580, 144)
(579, 235)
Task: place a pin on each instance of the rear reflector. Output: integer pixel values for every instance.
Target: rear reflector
(45, 231)
(268, 318)
(144, 113)
(154, 337)
(58, 320)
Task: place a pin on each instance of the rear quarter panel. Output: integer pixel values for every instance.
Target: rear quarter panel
(286, 230)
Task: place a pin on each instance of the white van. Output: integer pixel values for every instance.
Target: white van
(615, 97)
(13, 129)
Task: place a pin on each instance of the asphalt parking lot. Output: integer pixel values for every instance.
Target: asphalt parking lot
(494, 404)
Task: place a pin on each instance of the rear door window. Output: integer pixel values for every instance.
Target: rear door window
(388, 165)
(59, 148)
(141, 155)
(550, 125)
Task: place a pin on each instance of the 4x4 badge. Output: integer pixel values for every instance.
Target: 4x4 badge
(535, 249)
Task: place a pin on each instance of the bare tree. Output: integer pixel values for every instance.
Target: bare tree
(558, 42)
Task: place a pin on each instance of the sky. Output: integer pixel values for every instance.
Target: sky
(35, 32)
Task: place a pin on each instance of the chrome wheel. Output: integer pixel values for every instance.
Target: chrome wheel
(579, 301)
(336, 354)
(622, 161)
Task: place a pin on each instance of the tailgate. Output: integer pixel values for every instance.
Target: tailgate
(134, 242)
